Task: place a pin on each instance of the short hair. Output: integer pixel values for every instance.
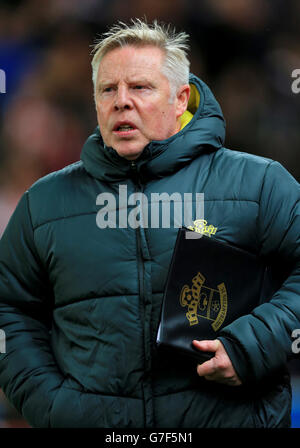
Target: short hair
(176, 65)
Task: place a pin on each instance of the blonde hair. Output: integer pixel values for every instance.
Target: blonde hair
(174, 45)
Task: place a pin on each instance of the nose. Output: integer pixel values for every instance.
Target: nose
(122, 99)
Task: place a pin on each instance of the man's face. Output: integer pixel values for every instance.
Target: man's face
(132, 100)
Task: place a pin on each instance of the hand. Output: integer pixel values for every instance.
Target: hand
(219, 368)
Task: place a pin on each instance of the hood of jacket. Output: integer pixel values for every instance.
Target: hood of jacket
(204, 133)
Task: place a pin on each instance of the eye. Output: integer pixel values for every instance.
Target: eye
(105, 89)
(139, 87)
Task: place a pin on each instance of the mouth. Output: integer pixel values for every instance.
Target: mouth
(124, 128)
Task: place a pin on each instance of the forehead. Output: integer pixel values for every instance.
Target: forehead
(131, 61)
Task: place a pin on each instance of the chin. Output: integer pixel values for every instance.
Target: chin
(130, 153)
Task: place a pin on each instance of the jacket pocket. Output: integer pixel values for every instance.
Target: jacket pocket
(74, 407)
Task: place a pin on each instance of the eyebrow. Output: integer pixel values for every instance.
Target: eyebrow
(142, 80)
(133, 80)
(105, 83)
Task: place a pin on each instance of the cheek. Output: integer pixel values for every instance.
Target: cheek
(101, 117)
(154, 115)
(164, 120)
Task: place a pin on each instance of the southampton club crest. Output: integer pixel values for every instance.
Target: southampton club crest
(204, 302)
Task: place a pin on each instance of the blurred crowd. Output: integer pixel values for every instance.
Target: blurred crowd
(245, 50)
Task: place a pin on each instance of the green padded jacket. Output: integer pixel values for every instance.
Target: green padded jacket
(80, 301)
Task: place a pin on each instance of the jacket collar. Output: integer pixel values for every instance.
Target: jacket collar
(204, 133)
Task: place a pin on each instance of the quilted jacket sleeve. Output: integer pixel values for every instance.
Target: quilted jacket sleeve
(29, 375)
(261, 343)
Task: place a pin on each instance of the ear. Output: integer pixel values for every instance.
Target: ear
(182, 99)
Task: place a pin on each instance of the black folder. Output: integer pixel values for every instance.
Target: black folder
(210, 284)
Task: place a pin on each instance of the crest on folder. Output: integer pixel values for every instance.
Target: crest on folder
(204, 302)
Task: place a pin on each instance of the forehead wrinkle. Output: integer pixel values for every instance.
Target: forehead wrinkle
(137, 65)
(129, 78)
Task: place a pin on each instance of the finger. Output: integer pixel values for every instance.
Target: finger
(208, 368)
(207, 345)
(210, 378)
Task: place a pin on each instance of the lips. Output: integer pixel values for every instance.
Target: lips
(124, 126)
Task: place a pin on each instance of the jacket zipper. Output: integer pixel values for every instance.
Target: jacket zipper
(141, 273)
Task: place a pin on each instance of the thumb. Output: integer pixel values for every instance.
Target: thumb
(207, 345)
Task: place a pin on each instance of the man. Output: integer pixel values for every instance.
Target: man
(81, 289)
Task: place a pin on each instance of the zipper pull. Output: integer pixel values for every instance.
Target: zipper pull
(134, 171)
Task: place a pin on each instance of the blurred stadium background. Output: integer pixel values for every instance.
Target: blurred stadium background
(245, 50)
